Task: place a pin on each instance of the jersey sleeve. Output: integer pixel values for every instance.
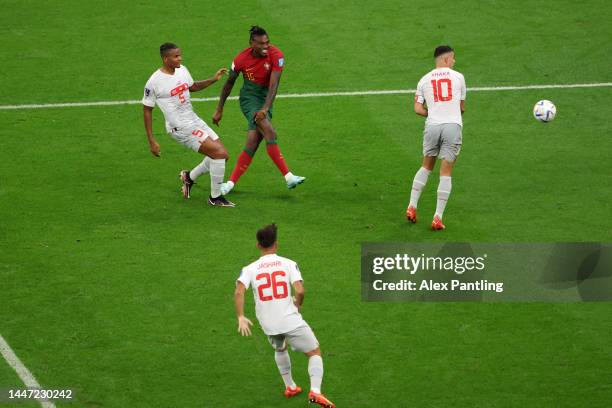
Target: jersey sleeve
(244, 278)
(463, 88)
(278, 61)
(188, 77)
(419, 96)
(294, 273)
(236, 65)
(149, 97)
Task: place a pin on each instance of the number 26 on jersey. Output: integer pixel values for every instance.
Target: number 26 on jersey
(271, 288)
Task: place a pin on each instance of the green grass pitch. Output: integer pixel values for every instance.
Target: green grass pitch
(115, 286)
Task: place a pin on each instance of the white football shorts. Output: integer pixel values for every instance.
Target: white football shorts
(301, 339)
(193, 134)
(443, 141)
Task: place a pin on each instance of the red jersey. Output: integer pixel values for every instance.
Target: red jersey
(258, 69)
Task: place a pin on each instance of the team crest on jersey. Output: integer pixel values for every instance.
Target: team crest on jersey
(147, 92)
(267, 66)
(281, 62)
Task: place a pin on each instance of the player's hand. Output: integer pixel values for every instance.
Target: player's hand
(244, 326)
(296, 303)
(261, 115)
(220, 73)
(217, 117)
(155, 149)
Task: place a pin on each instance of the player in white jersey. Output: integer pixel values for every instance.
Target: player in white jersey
(440, 97)
(272, 277)
(169, 89)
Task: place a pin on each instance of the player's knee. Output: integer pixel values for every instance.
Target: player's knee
(252, 145)
(315, 352)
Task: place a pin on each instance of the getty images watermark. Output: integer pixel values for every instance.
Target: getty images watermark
(412, 264)
(486, 272)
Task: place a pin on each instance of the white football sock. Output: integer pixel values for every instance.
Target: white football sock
(283, 362)
(315, 370)
(418, 184)
(217, 172)
(288, 176)
(444, 190)
(200, 169)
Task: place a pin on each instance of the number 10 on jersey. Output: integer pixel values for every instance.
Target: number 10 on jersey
(279, 288)
(437, 85)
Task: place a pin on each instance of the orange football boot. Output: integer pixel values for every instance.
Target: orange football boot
(320, 399)
(436, 224)
(292, 392)
(411, 215)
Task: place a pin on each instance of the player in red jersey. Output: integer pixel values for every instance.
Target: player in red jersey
(261, 65)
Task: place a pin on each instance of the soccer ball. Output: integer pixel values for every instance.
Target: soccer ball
(544, 111)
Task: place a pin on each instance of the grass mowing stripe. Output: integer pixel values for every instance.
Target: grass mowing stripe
(311, 95)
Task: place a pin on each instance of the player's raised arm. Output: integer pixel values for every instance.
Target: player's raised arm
(148, 124)
(199, 85)
(225, 92)
(243, 323)
(274, 82)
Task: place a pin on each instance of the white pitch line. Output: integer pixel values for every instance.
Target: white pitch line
(310, 95)
(22, 371)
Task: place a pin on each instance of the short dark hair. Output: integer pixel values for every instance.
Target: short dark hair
(256, 30)
(266, 237)
(165, 47)
(442, 49)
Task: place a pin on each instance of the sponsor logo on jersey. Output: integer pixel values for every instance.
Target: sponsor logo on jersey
(179, 91)
(147, 92)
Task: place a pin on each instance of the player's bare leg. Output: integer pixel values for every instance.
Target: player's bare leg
(265, 127)
(418, 184)
(315, 370)
(444, 190)
(254, 138)
(218, 156)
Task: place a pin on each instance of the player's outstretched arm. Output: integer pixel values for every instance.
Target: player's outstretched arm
(225, 92)
(199, 85)
(419, 109)
(243, 323)
(148, 124)
(274, 82)
(299, 292)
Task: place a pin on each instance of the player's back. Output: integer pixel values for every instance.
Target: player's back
(442, 89)
(271, 277)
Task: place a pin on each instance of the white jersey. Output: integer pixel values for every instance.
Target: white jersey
(271, 277)
(443, 89)
(171, 94)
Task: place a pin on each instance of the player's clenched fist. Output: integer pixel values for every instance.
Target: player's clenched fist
(217, 117)
(244, 326)
(261, 115)
(155, 149)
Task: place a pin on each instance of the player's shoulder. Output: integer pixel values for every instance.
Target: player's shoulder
(154, 77)
(243, 54)
(253, 265)
(274, 50)
(426, 77)
(456, 73)
(286, 261)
